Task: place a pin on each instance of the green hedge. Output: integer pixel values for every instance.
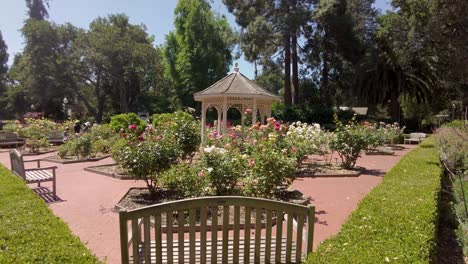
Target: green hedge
(397, 221)
(29, 231)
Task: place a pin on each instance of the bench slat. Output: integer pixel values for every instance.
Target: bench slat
(289, 232)
(236, 231)
(225, 233)
(158, 236)
(135, 242)
(203, 213)
(147, 239)
(268, 236)
(258, 233)
(300, 227)
(279, 234)
(192, 235)
(248, 218)
(169, 224)
(214, 234)
(180, 224)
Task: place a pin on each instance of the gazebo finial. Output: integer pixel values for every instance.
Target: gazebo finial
(236, 67)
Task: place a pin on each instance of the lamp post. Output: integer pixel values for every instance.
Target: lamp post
(65, 106)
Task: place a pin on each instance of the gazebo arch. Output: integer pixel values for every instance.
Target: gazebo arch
(235, 91)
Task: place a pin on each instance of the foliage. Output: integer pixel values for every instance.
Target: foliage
(375, 232)
(307, 139)
(262, 162)
(183, 127)
(198, 52)
(184, 179)
(146, 155)
(30, 232)
(3, 70)
(222, 169)
(348, 141)
(89, 144)
(453, 143)
(35, 132)
(123, 121)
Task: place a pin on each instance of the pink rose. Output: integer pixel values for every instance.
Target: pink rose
(132, 127)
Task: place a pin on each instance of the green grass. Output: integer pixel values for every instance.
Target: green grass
(29, 231)
(397, 221)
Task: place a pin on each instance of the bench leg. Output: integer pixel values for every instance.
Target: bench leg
(39, 184)
(54, 185)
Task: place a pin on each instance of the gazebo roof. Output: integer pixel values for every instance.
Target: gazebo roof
(235, 84)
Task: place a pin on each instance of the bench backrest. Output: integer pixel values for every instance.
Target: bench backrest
(417, 135)
(8, 135)
(17, 163)
(235, 223)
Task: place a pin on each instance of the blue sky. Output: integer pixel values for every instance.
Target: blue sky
(156, 15)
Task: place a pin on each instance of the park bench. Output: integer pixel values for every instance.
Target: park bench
(414, 137)
(55, 138)
(8, 138)
(35, 175)
(276, 234)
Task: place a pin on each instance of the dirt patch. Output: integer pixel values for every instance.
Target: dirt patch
(69, 159)
(310, 168)
(111, 170)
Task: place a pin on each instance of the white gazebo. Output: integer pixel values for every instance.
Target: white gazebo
(235, 91)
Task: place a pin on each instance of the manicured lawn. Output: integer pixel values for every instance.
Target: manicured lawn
(29, 231)
(397, 221)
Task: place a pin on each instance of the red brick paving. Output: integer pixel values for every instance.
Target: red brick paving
(88, 199)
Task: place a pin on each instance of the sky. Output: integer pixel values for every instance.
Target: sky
(156, 15)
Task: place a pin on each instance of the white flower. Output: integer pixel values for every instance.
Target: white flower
(209, 170)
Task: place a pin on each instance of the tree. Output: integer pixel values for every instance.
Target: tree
(120, 70)
(37, 9)
(3, 72)
(270, 28)
(198, 52)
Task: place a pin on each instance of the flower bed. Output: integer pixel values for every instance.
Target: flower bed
(397, 221)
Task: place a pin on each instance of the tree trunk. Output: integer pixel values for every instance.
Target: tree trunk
(255, 69)
(394, 106)
(287, 70)
(325, 89)
(295, 71)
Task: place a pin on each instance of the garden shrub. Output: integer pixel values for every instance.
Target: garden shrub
(222, 169)
(348, 141)
(453, 146)
(183, 127)
(89, 144)
(397, 220)
(123, 121)
(186, 180)
(30, 232)
(35, 132)
(146, 155)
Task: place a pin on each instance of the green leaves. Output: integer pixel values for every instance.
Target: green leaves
(30, 232)
(396, 221)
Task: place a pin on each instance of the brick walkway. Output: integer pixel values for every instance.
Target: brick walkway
(88, 199)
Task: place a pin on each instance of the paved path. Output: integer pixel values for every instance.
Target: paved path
(88, 200)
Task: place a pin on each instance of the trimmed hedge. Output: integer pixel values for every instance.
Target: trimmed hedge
(397, 221)
(29, 231)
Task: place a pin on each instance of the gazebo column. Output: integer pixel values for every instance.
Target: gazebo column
(203, 123)
(218, 124)
(262, 116)
(254, 111)
(225, 110)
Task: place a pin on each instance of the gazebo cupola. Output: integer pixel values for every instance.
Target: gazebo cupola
(235, 91)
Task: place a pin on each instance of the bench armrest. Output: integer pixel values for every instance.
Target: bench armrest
(34, 160)
(45, 168)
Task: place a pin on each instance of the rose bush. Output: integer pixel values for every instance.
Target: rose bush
(34, 131)
(183, 127)
(348, 141)
(146, 155)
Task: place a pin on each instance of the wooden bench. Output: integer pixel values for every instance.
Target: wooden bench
(36, 175)
(279, 232)
(415, 137)
(55, 138)
(8, 138)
